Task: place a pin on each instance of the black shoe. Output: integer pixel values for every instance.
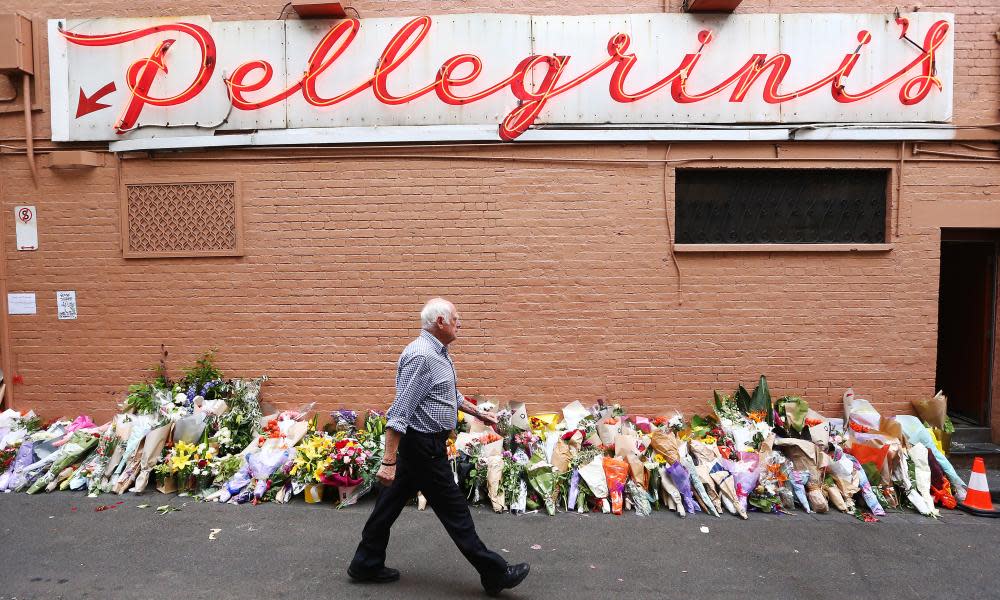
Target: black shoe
(515, 574)
(383, 575)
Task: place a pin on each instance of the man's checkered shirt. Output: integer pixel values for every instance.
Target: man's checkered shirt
(426, 388)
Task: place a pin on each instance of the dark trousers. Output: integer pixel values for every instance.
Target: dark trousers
(423, 465)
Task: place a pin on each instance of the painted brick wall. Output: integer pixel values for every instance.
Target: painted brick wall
(562, 272)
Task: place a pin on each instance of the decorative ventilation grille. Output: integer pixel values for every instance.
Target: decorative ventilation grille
(760, 206)
(182, 219)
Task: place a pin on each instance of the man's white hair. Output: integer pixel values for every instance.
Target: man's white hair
(434, 308)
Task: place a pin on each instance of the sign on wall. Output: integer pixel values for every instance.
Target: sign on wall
(26, 227)
(115, 79)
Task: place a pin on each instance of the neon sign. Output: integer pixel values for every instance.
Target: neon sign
(535, 82)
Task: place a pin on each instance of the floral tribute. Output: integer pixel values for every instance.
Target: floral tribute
(208, 436)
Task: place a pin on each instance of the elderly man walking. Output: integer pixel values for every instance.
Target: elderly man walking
(419, 423)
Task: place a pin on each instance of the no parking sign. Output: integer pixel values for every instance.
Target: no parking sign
(26, 227)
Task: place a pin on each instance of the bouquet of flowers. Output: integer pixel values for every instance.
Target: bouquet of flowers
(342, 421)
(189, 464)
(347, 464)
(7, 455)
(238, 426)
(312, 456)
(527, 441)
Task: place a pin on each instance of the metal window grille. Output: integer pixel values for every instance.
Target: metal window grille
(182, 219)
(781, 206)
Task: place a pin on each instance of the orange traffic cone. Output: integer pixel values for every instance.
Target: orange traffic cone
(977, 499)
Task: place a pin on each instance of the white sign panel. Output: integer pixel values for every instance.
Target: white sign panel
(21, 304)
(119, 79)
(66, 305)
(26, 227)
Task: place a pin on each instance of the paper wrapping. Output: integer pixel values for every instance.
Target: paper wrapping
(682, 480)
(835, 497)
(616, 472)
(799, 479)
(541, 476)
(640, 499)
(705, 475)
(574, 491)
(667, 444)
(573, 413)
(167, 485)
(916, 433)
(593, 475)
(701, 494)
(563, 455)
(462, 441)
(494, 473)
(922, 472)
(704, 453)
(211, 407)
(817, 499)
(805, 455)
(866, 488)
(140, 427)
(671, 493)
(627, 448)
(152, 450)
(124, 432)
(608, 432)
(933, 410)
(492, 449)
(189, 429)
(519, 416)
(726, 483)
(549, 442)
(544, 421)
(130, 468)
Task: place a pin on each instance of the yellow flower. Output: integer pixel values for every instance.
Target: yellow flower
(708, 440)
(660, 459)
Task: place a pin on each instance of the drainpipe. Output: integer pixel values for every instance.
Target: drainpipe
(7, 399)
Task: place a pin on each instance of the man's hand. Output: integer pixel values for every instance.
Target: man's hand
(386, 475)
(485, 417)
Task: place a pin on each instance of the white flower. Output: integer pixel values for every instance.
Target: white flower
(197, 471)
(180, 399)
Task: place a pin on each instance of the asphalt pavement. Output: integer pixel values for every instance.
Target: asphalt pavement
(60, 546)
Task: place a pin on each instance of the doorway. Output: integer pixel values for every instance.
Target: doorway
(967, 301)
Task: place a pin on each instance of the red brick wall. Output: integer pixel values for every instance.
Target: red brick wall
(562, 272)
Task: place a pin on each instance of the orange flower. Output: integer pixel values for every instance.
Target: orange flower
(757, 416)
(489, 437)
(777, 474)
(610, 421)
(812, 422)
(859, 428)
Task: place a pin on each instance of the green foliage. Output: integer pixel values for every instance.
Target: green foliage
(30, 424)
(742, 397)
(761, 400)
(203, 372)
(949, 427)
(141, 399)
(700, 426)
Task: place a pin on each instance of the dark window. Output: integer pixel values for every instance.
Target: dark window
(781, 206)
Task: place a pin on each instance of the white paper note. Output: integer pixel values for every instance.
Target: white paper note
(21, 304)
(66, 305)
(26, 227)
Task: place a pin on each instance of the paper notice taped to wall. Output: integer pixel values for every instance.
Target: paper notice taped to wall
(66, 305)
(21, 304)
